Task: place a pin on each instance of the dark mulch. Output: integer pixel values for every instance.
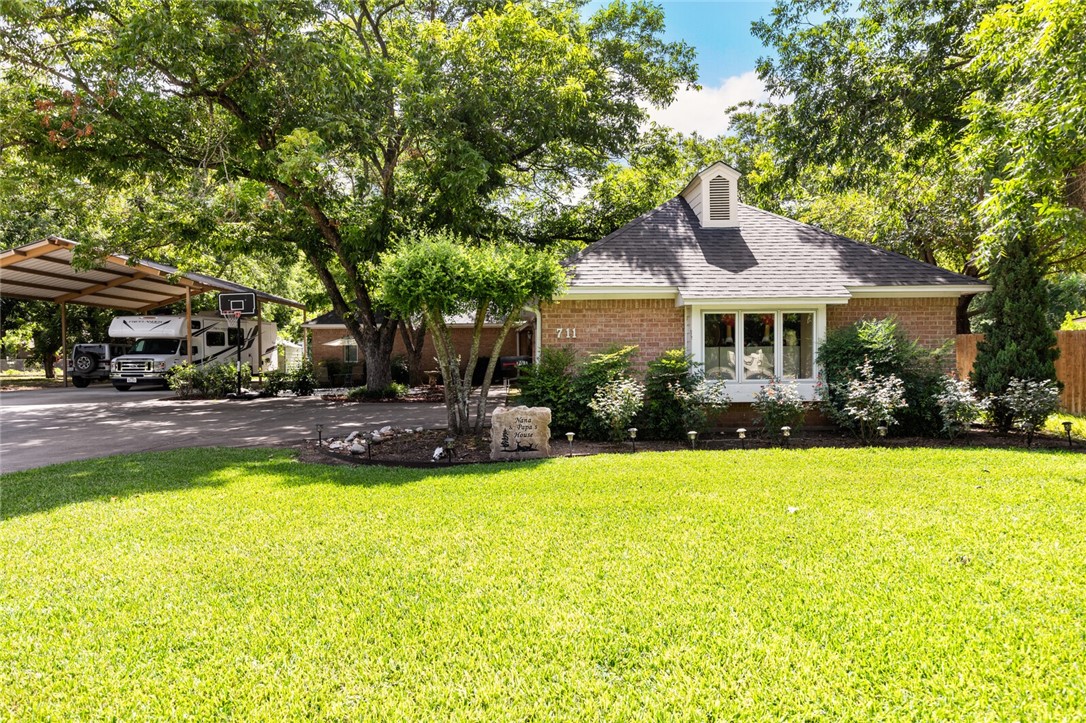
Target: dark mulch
(417, 449)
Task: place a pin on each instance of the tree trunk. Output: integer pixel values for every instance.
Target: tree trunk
(964, 322)
(414, 335)
(378, 353)
(480, 409)
(49, 362)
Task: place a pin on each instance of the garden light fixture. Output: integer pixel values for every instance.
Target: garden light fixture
(742, 432)
(449, 442)
(882, 429)
(693, 435)
(569, 436)
(1067, 429)
(786, 434)
(632, 431)
(320, 431)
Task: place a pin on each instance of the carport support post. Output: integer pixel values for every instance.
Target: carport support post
(260, 339)
(188, 321)
(64, 338)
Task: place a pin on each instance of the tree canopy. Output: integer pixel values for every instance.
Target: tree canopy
(336, 123)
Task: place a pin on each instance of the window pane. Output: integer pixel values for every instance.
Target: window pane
(720, 346)
(758, 339)
(798, 346)
(350, 353)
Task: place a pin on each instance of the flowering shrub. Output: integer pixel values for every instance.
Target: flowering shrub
(779, 405)
(958, 405)
(677, 397)
(1031, 402)
(712, 395)
(213, 382)
(871, 400)
(616, 403)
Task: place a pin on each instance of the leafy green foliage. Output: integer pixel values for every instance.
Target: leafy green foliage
(394, 390)
(211, 382)
(302, 378)
(548, 383)
(779, 405)
(616, 403)
(542, 590)
(672, 403)
(438, 275)
(883, 343)
(1019, 343)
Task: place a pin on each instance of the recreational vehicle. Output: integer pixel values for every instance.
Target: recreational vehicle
(161, 342)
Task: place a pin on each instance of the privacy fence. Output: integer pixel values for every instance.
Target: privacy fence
(1070, 367)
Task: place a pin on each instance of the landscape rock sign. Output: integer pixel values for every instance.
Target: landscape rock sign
(520, 433)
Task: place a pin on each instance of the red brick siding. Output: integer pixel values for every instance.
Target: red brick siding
(655, 325)
(932, 321)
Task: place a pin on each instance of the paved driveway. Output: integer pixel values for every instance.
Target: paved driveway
(60, 425)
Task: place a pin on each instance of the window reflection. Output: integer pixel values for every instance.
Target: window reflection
(798, 358)
(758, 345)
(720, 346)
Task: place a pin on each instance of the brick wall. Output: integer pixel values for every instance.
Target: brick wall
(461, 340)
(655, 325)
(931, 320)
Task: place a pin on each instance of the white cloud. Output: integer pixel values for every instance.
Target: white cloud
(703, 110)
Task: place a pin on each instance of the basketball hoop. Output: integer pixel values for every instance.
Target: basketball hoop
(237, 314)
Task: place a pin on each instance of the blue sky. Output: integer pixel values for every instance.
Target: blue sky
(719, 30)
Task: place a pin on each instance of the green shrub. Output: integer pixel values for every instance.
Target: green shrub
(548, 383)
(779, 405)
(185, 379)
(677, 397)
(616, 403)
(302, 379)
(274, 382)
(885, 346)
(211, 382)
(395, 390)
(567, 388)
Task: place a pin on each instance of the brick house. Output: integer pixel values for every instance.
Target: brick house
(330, 343)
(746, 292)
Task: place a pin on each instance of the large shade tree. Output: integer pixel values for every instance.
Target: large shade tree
(357, 120)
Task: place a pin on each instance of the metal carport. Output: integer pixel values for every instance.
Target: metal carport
(43, 271)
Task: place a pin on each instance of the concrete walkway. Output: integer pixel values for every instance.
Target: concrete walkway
(60, 425)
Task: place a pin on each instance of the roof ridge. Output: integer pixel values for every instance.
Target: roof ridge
(864, 244)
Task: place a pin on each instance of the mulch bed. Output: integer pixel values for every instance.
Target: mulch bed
(417, 449)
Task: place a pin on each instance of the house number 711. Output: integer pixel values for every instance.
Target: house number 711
(567, 333)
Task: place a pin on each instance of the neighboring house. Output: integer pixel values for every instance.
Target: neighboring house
(331, 342)
(747, 293)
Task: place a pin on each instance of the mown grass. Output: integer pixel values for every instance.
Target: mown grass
(819, 584)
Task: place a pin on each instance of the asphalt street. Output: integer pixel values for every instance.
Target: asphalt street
(47, 426)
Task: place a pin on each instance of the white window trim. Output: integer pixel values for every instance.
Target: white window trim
(744, 391)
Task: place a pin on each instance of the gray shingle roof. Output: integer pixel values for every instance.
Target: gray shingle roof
(768, 256)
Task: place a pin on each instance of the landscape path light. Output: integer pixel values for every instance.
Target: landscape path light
(882, 429)
(449, 442)
(742, 432)
(1067, 429)
(320, 431)
(693, 435)
(786, 433)
(569, 436)
(632, 431)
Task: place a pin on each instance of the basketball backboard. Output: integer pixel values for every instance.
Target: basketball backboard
(243, 302)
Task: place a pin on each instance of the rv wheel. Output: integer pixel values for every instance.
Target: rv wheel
(122, 387)
(80, 381)
(85, 362)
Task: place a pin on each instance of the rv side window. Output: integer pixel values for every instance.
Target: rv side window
(196, 325)
(184, 350)
(216, 338)
(232, 337)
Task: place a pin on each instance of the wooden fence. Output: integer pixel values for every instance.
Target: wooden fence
(1070, 367)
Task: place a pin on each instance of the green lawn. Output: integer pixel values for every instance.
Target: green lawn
(820, 584)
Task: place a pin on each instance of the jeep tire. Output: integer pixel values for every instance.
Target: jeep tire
(81, 381)
(85, 363)
(122, 387)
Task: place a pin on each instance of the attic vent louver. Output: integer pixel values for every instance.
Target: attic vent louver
(720, 199)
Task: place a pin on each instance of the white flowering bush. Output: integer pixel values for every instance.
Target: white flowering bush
(872, 400)
(1031, 402)
(959, 405)
(779, 405)
(712, 395)
(616, 403)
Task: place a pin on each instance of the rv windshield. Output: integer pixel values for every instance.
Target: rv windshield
(155, 346)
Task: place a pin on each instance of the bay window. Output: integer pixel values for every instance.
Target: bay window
(758, 346)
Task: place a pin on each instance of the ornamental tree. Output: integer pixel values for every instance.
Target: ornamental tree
(439, 275)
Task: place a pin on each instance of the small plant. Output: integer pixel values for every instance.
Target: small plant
(274, 382)
(395, 390)
(616, 403)
(677, 397)
(779, 405)
(959, 406)
(871, 400)
(1031, 402)
(185, 379)
(302, 379)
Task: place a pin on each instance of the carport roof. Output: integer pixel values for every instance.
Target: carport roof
(43, 270)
